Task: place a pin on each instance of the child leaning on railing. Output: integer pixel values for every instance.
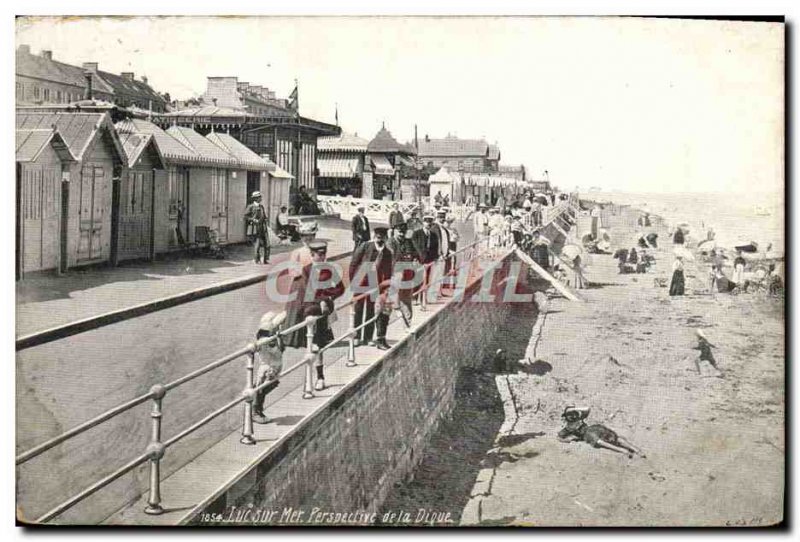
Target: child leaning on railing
(269, 360)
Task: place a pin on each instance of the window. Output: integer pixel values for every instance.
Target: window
(36, 92)
(47, 95)
(20, 91)
(58, 96)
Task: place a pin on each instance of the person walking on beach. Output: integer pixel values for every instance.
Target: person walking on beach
(676, 287)
(738, 269)
(678, 237)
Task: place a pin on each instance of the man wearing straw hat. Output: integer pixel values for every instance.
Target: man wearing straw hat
(256, 217)
(481, 221)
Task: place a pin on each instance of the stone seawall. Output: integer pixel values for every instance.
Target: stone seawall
(347, 456)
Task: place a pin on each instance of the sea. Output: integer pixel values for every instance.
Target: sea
(737, 219)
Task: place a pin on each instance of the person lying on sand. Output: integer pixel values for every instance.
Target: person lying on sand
(597, 435)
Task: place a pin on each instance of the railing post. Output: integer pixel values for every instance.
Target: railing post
(351, 343)
(249, 397)
(156, 450)
(308, 388)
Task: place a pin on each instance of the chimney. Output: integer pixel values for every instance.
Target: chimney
(47, 55)
(24, 48)
(90, 66)
(144, 79)
(128, 76)
(427, 139)
(88, 75)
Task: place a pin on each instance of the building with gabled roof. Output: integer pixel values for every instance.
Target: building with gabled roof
(42, 80)
(83, 213)
(465, 155)
(42, 157)
(386, 157)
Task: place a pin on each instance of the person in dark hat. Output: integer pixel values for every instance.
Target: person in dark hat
(372, 256)
(426, 242)
(317, 303)
(395, 218)
(405, 254)
(256, 218)
(360, 227)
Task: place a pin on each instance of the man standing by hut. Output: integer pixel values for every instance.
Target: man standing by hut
(256, 217)
(368, 258)
(360, 226)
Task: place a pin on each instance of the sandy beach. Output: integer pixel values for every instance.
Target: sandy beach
(714, 443)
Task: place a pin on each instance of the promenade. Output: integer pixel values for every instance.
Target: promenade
(45, 300)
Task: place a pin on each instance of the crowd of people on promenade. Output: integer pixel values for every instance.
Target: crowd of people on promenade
(420, 243)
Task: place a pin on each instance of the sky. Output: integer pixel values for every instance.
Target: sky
(628, 104)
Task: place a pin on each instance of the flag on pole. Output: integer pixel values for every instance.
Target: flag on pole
(337, 114)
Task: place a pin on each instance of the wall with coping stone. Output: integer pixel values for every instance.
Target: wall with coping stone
(348, 456)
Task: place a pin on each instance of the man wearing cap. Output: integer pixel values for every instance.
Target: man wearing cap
(395, 218)
(372, 256)
(360, 225)
(403, 251)
(269, 360)
(317, 303)
(256, 218)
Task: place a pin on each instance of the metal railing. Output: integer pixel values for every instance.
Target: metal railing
(157, 447)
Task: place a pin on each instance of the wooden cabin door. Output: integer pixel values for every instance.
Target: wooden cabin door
(41, 204)
(134, 214)
(94, 233)
(178, 187)
(219, 203)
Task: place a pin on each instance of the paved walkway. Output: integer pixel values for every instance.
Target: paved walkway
(46, 301)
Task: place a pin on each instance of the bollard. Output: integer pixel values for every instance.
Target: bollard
(156, 450)
(249, 397)
(351, 343)
(308, 388)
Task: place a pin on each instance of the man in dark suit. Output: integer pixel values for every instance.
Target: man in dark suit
(426, 242)
(366, 257)
(405, 254)
(395, 219)
(256, 218)
(361, 233)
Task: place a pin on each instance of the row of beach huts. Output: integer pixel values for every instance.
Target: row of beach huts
(94, 186)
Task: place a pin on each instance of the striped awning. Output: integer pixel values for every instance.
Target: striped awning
(340, 168)
(382, 165)
(405, 161)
